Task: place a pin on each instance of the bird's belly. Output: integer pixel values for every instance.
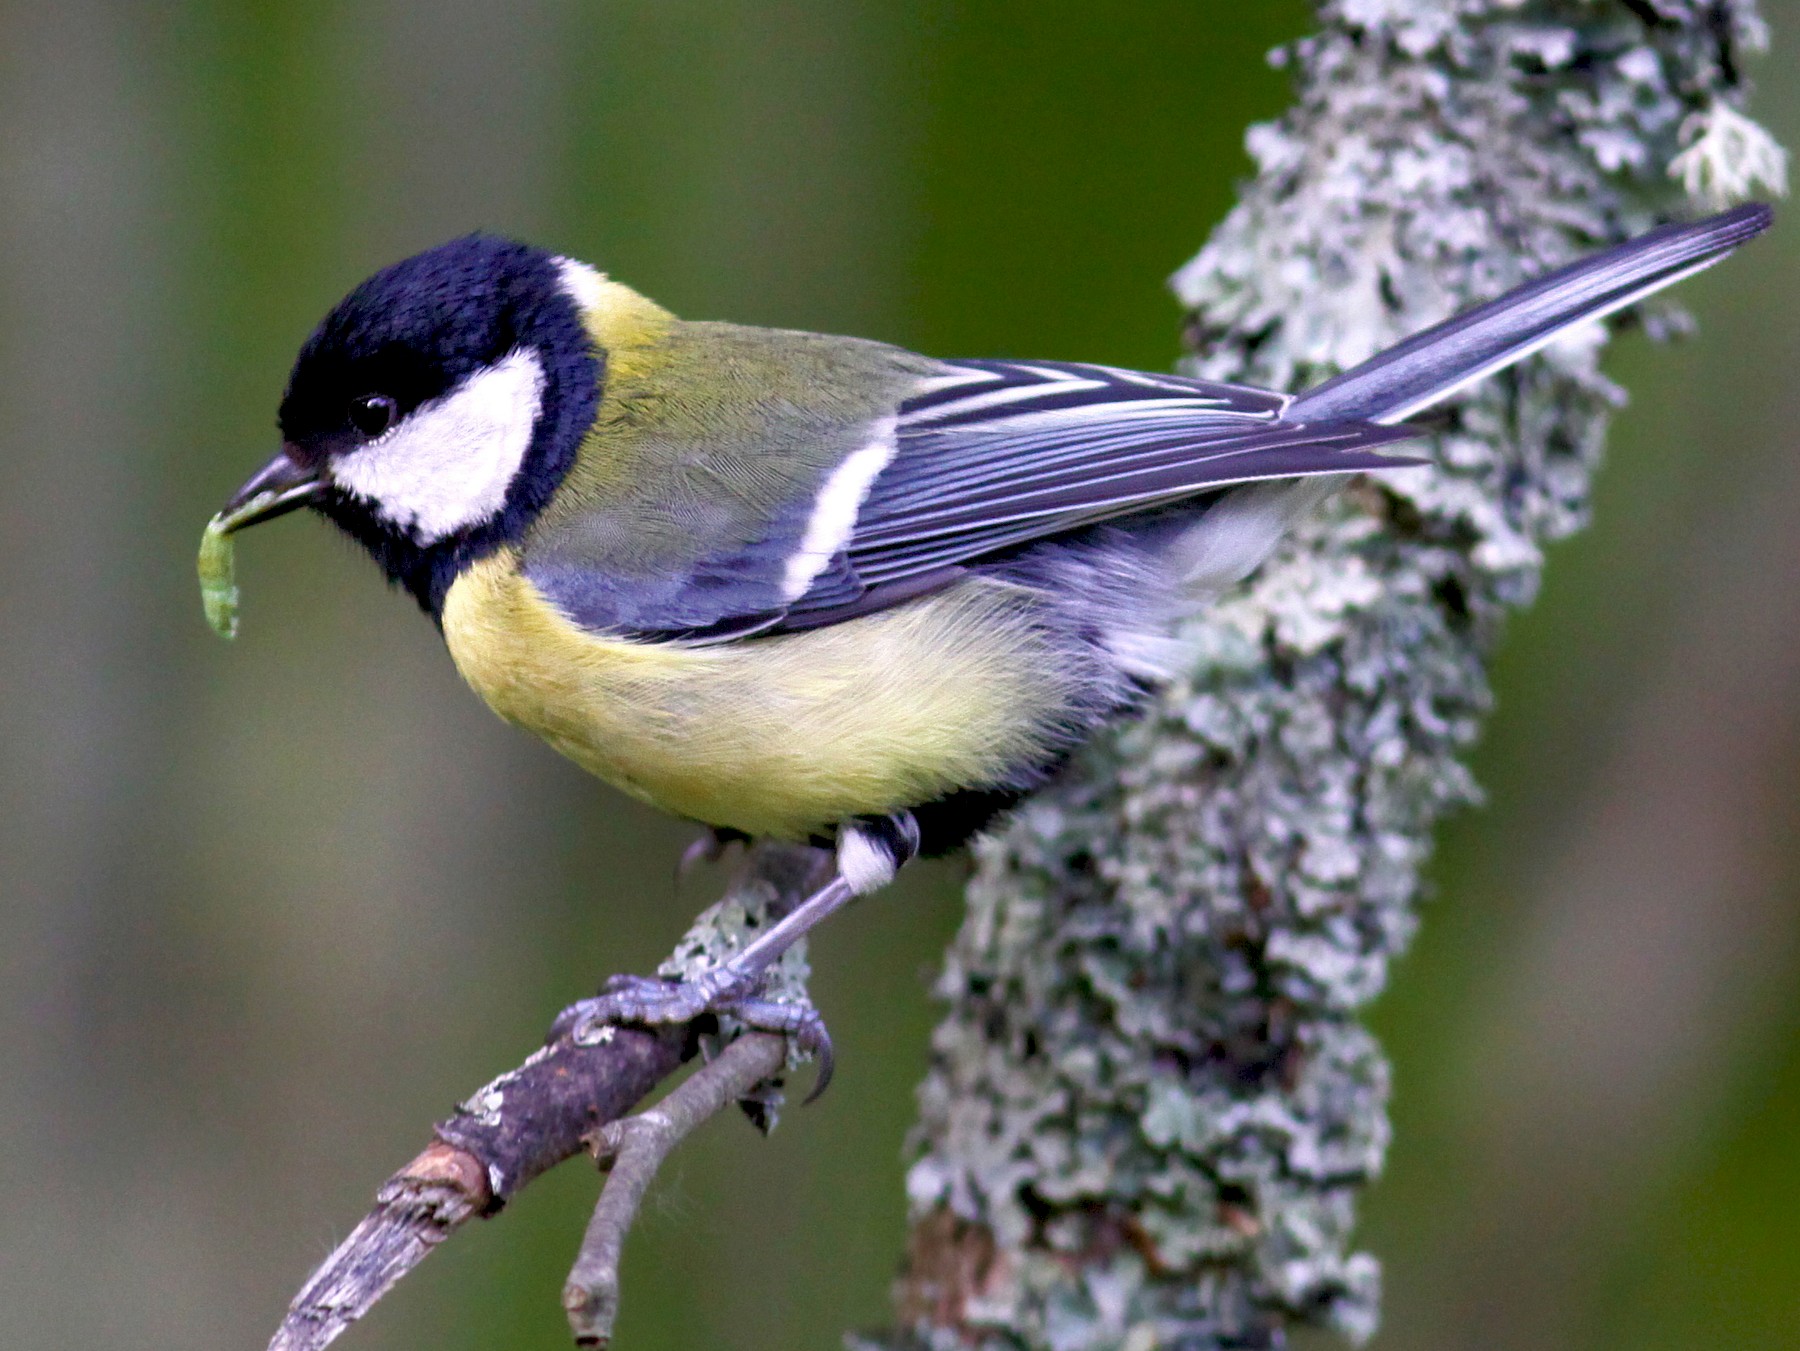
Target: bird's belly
(785, 735)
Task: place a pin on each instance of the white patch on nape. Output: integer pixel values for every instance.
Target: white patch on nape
(1235, 534)
(583, 284)
(833, 518)
(447, 465)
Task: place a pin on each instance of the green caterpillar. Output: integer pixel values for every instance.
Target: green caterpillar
(218, 579)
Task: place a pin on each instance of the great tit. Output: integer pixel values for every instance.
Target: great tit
(822, 588)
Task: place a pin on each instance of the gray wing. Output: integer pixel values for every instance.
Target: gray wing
(1005, 452)
(964, 461)
(970, 460)
(993, 455)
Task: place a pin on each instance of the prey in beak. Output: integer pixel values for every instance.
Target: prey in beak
(274, 490)
(277, 488)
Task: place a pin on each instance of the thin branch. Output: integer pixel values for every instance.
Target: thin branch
(509, 1133)
(418, 1208)
(555, 1105)
(632, 1150)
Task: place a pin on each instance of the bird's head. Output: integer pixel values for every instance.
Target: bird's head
(437, 407)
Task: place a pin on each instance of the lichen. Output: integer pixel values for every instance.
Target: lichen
(1151, 1106)
(773, 874)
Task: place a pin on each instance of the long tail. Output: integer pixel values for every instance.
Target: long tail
(1436, 363)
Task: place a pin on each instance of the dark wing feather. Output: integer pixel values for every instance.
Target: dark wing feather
(987, 456)
(997, 454)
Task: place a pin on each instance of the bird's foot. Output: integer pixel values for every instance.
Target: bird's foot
(869, 851)
(721, 992)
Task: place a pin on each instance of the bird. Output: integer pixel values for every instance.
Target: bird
(820, 588)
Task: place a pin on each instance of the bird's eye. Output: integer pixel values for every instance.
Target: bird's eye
(373, 414)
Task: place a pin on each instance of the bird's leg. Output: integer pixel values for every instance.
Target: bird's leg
(870, 851)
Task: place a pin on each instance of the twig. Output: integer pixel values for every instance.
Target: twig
(522, 1124)
(550, 1108)
(633, 1149)
(418, 1208)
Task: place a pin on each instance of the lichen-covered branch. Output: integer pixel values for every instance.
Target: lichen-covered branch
(1152, 1106)
(557, 1104)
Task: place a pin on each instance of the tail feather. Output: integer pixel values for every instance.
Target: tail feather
(1434, 364)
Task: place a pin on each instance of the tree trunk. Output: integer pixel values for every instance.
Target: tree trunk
(1151, 1106)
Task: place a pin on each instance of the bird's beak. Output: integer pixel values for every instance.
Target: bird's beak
(274, 490)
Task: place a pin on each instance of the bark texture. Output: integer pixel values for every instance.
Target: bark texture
(1152, 1106)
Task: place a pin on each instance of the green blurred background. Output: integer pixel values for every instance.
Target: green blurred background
(266, 911)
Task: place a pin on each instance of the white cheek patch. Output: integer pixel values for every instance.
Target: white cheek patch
(448, 465)
(834, 511)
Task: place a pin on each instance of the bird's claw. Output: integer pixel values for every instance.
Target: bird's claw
(655, 1002)
(799, 1023)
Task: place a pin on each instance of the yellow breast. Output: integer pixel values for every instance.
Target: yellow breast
(779, 736)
